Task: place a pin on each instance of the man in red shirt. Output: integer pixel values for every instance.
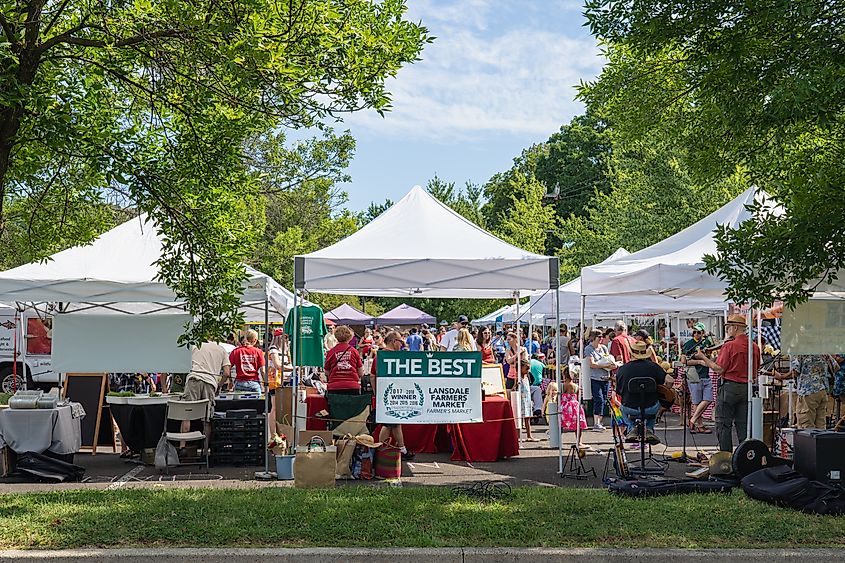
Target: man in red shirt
(732, 367)
(248, 362)
(620, 346)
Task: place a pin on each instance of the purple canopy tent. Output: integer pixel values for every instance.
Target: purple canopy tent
(405, 315)
(348, 315)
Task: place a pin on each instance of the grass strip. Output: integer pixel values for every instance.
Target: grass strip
(401, 517)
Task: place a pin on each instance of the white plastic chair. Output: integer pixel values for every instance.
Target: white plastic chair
(190, 411)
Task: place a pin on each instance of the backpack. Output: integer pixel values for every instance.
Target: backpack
(783, 486)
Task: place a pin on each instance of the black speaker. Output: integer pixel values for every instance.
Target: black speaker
(820, 455)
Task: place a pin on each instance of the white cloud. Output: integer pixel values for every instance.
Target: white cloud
(490, 70)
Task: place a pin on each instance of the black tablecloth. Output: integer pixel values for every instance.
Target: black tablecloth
(141, 426)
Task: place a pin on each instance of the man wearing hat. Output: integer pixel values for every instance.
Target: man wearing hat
(449, 339)
(698, 377)
(732, 367)
(640, 366)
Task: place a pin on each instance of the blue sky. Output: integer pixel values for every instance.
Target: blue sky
(499, 77)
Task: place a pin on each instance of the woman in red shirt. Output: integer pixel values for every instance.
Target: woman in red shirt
(484, 340)
(343, 365)
(366, 343)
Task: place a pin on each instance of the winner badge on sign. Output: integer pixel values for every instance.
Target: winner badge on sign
(428, 387)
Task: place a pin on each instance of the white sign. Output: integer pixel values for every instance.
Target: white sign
(428, 387)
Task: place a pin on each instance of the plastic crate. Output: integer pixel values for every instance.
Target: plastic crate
(234, 424)
(237, 436)
(237, 459)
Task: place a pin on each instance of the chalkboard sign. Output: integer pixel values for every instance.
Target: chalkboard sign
(89, 389)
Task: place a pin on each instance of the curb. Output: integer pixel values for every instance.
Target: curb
(463, 555)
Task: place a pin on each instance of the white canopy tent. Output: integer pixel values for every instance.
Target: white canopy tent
(455, 258)
(674, 266)
(118, 273)
(603, 305)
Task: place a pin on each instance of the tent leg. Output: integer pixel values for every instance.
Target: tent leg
(294, 339)
(266, 475)
(555, 430)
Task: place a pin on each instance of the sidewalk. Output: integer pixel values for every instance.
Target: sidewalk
(462, 555)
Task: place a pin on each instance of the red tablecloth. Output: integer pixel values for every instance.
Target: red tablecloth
(315, 404)
(494, 439)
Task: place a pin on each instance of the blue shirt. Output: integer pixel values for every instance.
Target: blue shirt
(498, 344)
(414, 342)
(532, 346)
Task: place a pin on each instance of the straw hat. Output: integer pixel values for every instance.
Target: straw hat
(667, 367)
(735, 320)
(366, 440)
(639, 351)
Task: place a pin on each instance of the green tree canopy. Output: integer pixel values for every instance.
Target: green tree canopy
(150, 104)
(757, 85)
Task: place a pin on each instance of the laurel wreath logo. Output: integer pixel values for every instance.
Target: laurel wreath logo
(404, 414)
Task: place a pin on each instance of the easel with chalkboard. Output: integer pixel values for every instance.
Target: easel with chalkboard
(90, 389)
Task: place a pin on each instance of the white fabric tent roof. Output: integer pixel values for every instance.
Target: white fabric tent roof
(570, 300)
(421, 248)
(672, 267)
(120, 267)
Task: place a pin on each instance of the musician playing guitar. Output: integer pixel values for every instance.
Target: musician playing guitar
(698, 378)
(640, 366)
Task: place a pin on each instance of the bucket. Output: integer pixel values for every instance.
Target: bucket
(284, 467)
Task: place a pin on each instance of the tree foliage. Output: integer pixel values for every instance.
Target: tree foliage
(150, 104)
(466, 202)
(757, 85)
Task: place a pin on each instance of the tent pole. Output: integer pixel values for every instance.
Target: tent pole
(668, 336)
(750, 369)
(518, 362)
(294, 338)
(555, 429)
(266, 474)
(581, 375)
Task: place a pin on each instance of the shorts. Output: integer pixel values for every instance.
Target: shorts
(701, 391)
(247, 385)
(199, 390)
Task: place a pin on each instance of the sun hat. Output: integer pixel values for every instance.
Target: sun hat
(667, 367)
(735, 320)
(639, 350)
(366, 440)
(699, 327)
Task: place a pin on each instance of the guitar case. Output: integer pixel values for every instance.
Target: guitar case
(753, 455)
(656, 488)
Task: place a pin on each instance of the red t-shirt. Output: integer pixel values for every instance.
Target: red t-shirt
(487, 356)
(366, 345)
(247, 360)
(342, 365)
(620, 346)
(733, 358)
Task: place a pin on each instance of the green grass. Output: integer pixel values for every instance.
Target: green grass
(409, 517)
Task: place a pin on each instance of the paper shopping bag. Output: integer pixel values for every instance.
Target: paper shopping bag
(315, 464)
(345, 449)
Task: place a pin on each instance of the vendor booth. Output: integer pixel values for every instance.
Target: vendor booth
(348, 315)
(456, 259)
(405, 315)
(106, 297)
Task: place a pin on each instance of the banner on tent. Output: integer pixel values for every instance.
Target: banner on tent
(428, 387)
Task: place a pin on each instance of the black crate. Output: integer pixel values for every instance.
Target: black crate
(234, 424)
(237, 436)
(237, 459)
(242, 448)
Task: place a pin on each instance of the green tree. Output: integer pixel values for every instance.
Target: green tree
(575, 164)
(757, 85)
(373, 211)
(150, 104)
(654, 195)
(466, 202)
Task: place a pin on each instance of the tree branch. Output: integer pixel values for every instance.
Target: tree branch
(8, 31)
(56, 16)
(68, 38)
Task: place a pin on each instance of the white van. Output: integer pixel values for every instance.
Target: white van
(29, 335)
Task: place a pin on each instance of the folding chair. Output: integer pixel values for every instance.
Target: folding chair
(189, 410)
